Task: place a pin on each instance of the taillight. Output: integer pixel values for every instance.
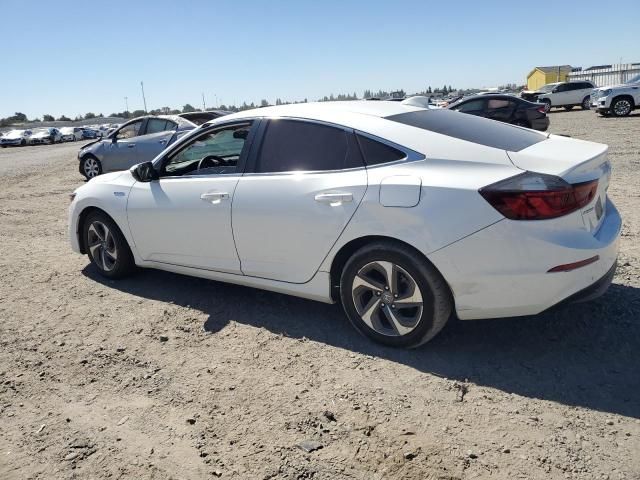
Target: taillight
(537, 196)
(541, 109)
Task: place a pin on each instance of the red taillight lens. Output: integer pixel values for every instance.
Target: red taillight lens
(536, 196)
(541, 109)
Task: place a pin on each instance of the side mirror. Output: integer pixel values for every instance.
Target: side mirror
(114, 139)
(144, 172)
(555, 90)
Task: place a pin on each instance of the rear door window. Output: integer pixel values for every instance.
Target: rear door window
(472, 106)
(297, 145)
(155, 125)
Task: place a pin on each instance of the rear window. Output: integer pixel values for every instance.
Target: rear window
(471, 128)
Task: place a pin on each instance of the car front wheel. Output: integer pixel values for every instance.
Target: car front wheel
(586, 103)
(106, 246)
(90, 167)
(621, 107)
(393, 296)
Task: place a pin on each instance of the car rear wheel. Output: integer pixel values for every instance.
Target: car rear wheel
(393, 296)
(547, 104)
(586, 103)
(621, 107)
(91, 167)
(106, 246)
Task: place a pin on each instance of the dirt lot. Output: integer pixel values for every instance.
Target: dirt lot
(164, 376)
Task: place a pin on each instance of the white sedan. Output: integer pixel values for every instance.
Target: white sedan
(404, 215)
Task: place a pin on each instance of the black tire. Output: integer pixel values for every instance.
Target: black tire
(87, 170)
(586, 103)
(621, 107)
(123, 264)
(547, 104)
(568, 108)
(436, 297)
(23, 142)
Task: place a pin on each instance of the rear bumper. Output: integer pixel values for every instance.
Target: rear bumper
(541, 124)
(502, 271)
(593, 291)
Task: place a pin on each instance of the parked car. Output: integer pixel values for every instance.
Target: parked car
(505, 108)
(45, 135)
(402, 214)
(15, 138)
(71, 134)
(562, 94)
(138, 140)
(88, 132)
(617, 100)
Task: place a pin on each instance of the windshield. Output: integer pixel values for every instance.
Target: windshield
(67, 130)
(41, 130)
(635, 79)
(548, 87)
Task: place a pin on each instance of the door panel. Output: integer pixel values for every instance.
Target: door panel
(185, 221)
(285, 224)
(149, 146)
(120, 155)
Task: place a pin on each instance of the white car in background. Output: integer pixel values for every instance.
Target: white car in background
(71, 134)
(15, 138)
(564, 94)
(404, 215)
(45, 135)
(617, 100)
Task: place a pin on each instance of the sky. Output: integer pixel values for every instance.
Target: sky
(70, 57)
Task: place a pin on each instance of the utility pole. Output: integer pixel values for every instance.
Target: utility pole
(144, 100)
(204, 108)
(126, 104)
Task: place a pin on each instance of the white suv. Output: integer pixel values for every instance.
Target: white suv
(567, 95)
(618, 100)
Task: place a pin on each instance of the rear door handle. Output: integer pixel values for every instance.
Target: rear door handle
(214, 197)
(162, 142)
(131, 145)
(334, 199)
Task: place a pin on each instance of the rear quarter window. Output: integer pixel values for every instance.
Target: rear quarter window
(470, 128)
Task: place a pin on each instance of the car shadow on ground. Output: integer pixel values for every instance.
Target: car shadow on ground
(585, 355)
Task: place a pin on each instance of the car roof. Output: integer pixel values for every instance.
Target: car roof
(319, 110)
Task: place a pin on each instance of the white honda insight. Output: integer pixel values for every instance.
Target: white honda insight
(402, 214)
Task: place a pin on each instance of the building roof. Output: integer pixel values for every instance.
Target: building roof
(551, 69)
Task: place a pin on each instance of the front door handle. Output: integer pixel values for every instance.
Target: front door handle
(162, 142)
(214, 197)
(131, 145)
(334, 199)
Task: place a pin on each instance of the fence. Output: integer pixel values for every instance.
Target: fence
(607, 76)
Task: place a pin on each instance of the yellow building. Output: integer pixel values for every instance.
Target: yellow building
(540, 76)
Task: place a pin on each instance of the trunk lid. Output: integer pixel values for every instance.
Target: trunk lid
(575, 161)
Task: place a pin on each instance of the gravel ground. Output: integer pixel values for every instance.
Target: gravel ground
(163, 376)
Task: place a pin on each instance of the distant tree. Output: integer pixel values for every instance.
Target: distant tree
(100, 115)
(278, 101)
(36, 120)
(89, 115)
(138, 113)
(188, 108)
(47, 118)
(429, 89)
(264, 103)
(450, 89)
(62, 118)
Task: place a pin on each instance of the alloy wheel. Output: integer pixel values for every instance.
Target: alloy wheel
(102, 246)
(622, 107)
(586, 103)
(387, 298)
(91, 167)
